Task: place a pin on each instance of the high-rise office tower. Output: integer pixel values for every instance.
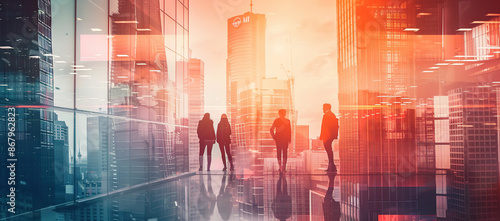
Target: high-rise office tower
(377, 109)
(375, 71)
(474, 193)
(98, 144)
(442, 153)
(245, 68)
(26, 76)
(144, 88)
(147, 94)
(196, 96)
(61, 161)
(301, 138)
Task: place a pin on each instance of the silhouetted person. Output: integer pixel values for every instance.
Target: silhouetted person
(206, 201)
(224, 140)
(206, 134)
(225, 198)
(282, 205)
(329, 132)
(282, 137)
(331, 208)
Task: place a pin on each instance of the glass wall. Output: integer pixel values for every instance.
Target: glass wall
(92, 97)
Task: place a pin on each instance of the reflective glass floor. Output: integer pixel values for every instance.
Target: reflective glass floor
(242, 195)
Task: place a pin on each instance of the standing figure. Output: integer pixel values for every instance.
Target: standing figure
(206, 134)
(224, 139)
(329, 132)
(282, 137)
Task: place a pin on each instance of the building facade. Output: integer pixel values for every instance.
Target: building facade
(245, 69)
(474, 193)
(26, 75)
(196, 92)
(377, 111)
(114, 62)
(301, 138)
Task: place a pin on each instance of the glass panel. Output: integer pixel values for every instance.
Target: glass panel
(91, 65)
(63, 26)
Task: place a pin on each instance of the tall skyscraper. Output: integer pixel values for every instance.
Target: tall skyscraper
(301, 138)
(442, 143)
(61, 161)
(144, 89)
(374, 84)
(26, 76)
(196, 96)
(98, 147)
(377, 110)
(474, 193)
(245, 68)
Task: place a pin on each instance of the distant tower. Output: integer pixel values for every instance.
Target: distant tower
(196, 96)
(245, 68)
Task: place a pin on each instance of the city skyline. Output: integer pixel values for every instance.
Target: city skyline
(101, 101)
(284, 22)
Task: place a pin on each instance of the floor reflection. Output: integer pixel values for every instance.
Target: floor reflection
(331, 208)
(282, 204)
(244, 196)
(207, 199)
(225, 198)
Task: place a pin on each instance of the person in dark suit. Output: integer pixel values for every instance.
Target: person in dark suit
(206, 134)
(224, 139)
(329, 132)
(281, 131)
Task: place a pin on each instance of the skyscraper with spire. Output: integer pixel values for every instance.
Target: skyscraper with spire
(245, 69)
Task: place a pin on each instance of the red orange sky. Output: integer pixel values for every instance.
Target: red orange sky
(300, 35)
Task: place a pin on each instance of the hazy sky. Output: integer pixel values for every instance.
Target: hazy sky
(309, 24)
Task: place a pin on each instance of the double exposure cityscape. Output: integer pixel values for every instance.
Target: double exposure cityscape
(251, 110)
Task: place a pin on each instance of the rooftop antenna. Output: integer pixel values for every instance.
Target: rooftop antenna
(251, 6)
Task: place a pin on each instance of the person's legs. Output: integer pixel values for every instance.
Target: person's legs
(278, 155)
(221, 147)
(202, 151)
(285, 156)
(229, 156)
(209, 155)
(329, 152)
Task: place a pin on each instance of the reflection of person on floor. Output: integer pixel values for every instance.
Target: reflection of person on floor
(282, 205)
(206, 201)
(206, 134)
(225, 198)
(224, 140)
(329, 132)
(282, 136)
(331, 208)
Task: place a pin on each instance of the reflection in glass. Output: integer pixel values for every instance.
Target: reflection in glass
(225, 198)
(207, 199)
(331, 208)
(282, 204)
